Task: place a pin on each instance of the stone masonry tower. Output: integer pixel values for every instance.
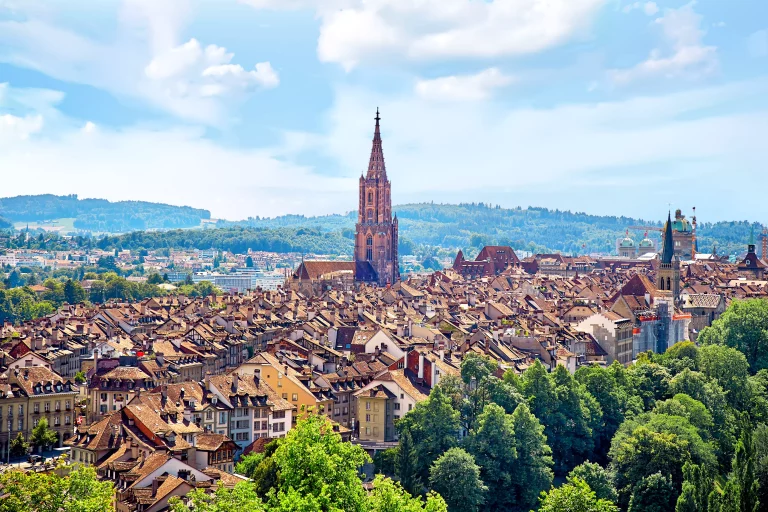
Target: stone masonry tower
(376, 230)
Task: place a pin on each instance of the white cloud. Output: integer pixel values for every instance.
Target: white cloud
(189, 72)
(649, 8)
(472, 150)
(683, 53)
(19, 128)
(352, 31)
(758, 43)
(182, 166)
(144, 59)
(475, 87)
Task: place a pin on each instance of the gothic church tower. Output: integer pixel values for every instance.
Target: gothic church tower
(376, 229)
(668, 275)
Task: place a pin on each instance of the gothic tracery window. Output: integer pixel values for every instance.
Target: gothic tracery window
(369, 248)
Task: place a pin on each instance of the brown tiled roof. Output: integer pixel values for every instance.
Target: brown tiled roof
(209, 442)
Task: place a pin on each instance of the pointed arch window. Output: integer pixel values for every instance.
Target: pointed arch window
(370, 197)
(369, 248)
(370, 215)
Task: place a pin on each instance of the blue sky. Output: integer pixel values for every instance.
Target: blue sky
(265, 107)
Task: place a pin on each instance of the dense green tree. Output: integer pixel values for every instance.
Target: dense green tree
(743, 326)
(614, 400)
(74, 292)
(570, 421)
(683, 350)
(389, 496)
(19, 446)
(434, 425)
(406, 464)
(692, 410)
(655, 443)
(533, 468)
(384, 460)
(154, 278)
(574, 496)
(698, 386)
(650, 382)
(697, 486)
(760, 440)
(744, 473)
(729, 368)
(493, 446)
(457, 478)
(597, 478)
(80, 378)
(42, 437)
(79, 491)
(654, 493)
(313, 461)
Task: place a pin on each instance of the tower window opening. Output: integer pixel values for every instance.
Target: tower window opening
(370, 197)
(369, 248)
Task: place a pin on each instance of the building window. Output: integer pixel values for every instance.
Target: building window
(36, 408)
(368, 418)
(367, 406)
(370, 197)
(47, 406)
(294, 397)
(369, 248)
(370, 215)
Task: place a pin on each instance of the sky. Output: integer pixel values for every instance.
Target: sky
(266, 107)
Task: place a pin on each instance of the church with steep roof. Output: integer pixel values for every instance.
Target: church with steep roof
(375, 259)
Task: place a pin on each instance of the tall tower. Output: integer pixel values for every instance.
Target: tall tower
(668, 276)
(376, 234)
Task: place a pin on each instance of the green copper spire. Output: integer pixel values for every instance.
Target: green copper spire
(668, 251)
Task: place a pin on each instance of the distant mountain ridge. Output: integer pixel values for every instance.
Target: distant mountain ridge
(422, 226)
(101, 215)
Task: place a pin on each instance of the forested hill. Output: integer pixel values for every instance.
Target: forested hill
(425, 228)
(100, 215)
(473, 225)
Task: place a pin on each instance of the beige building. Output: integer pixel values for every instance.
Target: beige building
(375, 408)
(612, 332)
(48, 396)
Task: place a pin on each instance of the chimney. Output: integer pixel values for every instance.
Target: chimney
(164, 393)
(156, 483)
(235, 381)
(181, 393)
(160, 358)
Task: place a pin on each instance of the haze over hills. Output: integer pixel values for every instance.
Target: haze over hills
(423, 226)
(100, 215)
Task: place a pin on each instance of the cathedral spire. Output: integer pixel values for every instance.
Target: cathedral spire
(668, 250)
(376, 167)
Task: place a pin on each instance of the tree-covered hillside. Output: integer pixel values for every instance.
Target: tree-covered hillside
(99, 214)
(425, 228)
(473, 225)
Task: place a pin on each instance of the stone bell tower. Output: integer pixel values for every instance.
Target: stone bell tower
(376, 229)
